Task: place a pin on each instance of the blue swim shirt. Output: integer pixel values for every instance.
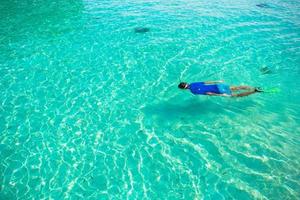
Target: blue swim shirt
(202, 88)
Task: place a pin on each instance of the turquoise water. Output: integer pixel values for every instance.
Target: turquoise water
(89, 109)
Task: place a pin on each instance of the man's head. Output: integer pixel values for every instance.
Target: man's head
(183, 85)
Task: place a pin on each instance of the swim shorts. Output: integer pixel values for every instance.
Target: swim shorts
(224, 89)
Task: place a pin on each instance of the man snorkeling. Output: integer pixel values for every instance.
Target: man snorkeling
(217, 88)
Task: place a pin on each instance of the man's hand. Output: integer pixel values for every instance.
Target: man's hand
(215, 94)
(226, 95)
(213, 82)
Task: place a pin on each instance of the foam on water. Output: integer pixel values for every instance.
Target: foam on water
(90, 109)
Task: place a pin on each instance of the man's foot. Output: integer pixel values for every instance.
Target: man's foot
(258, 89)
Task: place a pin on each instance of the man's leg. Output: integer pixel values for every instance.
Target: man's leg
(242, 87)
(243, 94)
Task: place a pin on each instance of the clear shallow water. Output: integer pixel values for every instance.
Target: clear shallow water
(89, 109)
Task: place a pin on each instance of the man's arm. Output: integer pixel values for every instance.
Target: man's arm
(215, 94)
(213, 82)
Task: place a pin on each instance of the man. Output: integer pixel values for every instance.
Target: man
(217, 88)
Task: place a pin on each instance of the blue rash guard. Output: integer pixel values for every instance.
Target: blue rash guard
(202, 88)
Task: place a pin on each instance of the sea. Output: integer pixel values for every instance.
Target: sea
(90, 108)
